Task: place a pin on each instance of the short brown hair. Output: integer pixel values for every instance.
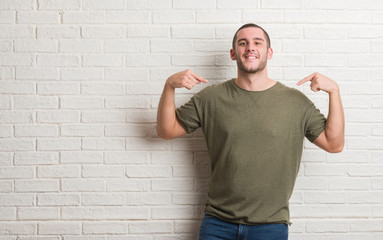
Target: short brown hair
(252, 25)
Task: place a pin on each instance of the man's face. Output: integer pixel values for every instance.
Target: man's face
(251, 52)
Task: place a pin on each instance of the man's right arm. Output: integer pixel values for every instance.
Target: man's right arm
(168, 126)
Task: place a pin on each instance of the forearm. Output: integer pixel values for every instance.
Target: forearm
(335, 121)
(166, 116)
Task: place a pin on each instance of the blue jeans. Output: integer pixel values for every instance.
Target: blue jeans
(213, 228)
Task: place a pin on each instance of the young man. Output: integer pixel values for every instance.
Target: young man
(254, 129)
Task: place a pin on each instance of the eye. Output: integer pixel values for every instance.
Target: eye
(257, 43)
(242, 44)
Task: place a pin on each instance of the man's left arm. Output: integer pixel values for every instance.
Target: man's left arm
(332, 138)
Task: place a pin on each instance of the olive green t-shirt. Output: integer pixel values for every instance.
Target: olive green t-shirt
(255, 142)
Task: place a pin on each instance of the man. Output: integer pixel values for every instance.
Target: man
(254, 129)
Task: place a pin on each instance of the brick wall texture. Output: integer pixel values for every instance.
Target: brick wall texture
(80, 81)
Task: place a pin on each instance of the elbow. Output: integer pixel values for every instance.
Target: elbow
(336, 149)
(161, 134)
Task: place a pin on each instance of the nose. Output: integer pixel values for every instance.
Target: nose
(250, 47)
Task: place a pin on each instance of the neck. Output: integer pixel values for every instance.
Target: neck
(258, 81)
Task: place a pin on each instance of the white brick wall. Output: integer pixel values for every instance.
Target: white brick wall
(80, 81)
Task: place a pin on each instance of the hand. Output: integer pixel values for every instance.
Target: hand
(187, 79)
(320, 82)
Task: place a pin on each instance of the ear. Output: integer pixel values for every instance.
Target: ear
(269, 53)
(232, 54)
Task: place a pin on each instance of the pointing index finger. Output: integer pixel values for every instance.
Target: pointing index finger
(199, 78)
(306, 79)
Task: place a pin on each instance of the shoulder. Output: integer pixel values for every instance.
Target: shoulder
(214, 90)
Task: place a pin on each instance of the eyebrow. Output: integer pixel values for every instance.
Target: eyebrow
(244, 39)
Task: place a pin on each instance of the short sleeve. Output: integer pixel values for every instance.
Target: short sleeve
(188, 115)
(315, 123)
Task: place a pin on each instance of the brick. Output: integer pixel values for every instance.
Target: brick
(58, 144)
(331, 210)
(36, 158)
(377, 46)
(83, 17)
(48, 46)
(194, 32)
(103, 144)
(6, 131)
(102, 171)
(80, 46)
(36, 131)
(16, 59)
(103, 60)
(218, 16)
(324, 170)
(33, 102)
(128, 17)
(128, 185)
(325, 5)
(58, 199)
(83, 102)
(57, 61)
(127, 46)
(151, 227)
(355, 129)
(17, 144)
(60, 227)
(37, 73)
(60, 5)
(36, 186)
(140, 60)
(172, 16)
(38, 17)
(307, 46)
(371, 197)
(81, 157)
(102, 5)
(106, 116)
(126, 130)
(5, 103)
(102, 89)
(83, 213)
(373, 225)
(39, 213)
(198, 4)
(349, 157)
(141, 116)
(377, 130)
(325, 227)
(149, 144)
(367, 5)
(172, 185)
(59, 116)
(131, 74)
(376, 17)
(7, 214)
(6, 187)
(148, 199)
(364, 88)
(145, 171)
(127, 102)
(58, 171)
(166, 213)
(7, 17)
(22, 228)
(82, 185)
(319, 197)
(349, 74)
(171, 46)
(148, 31)
(365, 170)
(82, 130)
(16, 32)
(324, 60)
(342, 46)
(16, 172)
(329, 16)
(212, 46)
(81, 74)
(103, 32)
(16, 4)
(6, 159)
(261, 16)
(366, 115)
(172, 158)
(127, 213)
(244, 4)
(365, 32)
(15, 199)
(57, 88)
(5, 45)
(124, 157)
(104, 228)
(58, 32)
(147, 4)
(103, 199)
(365, 60)
(327, 32)
(311, 183)
(192, 60)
